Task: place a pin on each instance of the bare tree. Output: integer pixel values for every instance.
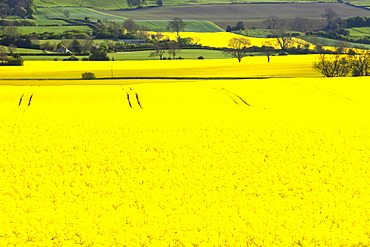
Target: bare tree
(238, 47)
(159, 49)
(173, 48)
(300, 24)
(177, 24)
(268, 49)
(66, 13)
(158, 35)
(330, 15)
(360, 63)
(332, 65)
(340, 46)
(283, 39)
(274, 22)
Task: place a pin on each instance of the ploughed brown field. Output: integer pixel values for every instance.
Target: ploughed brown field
(223, 14)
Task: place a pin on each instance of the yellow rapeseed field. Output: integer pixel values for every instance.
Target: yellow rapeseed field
(280, 66)
(221, 39)
(259, 162)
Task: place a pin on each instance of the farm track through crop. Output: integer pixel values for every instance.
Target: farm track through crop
(340, 97)
(132, 97)
(236, 98)
(25, 100)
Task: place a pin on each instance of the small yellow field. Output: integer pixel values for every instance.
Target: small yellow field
(258, 162)
(280, 66)
(221, 39)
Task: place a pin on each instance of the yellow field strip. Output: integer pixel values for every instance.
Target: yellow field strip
(280, 66)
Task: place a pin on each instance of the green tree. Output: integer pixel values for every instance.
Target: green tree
(136, 3)
(3, 55)
(238, 47)
(22, 12)
(130, 26)
(99, 53)
(177, 24)
(159, 3)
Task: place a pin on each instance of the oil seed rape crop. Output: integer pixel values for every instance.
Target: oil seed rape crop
(280, 66)
(274, 162)
(221, 39)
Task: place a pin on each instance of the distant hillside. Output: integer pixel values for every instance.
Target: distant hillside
(251, 14)
(121, 4)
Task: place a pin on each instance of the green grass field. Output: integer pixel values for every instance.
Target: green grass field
(114, 4)
(75, 13)
(54, 29)
(25, 50)
(240, 12)
(41, 22)
(191, 26)
(331, 42)
(359, 32)
(134, 55)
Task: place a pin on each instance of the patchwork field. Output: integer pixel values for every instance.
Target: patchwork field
(273, 162)
(52, 29)
(75, 13)
(240, 12)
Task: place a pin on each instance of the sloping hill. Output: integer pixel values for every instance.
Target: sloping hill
(251, 14)
(121, 4)
(241, 11)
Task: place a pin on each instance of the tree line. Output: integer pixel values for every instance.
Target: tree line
(22, 8)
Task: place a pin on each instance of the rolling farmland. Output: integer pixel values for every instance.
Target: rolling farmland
(240, 12)
(196, 163)
(183, 153)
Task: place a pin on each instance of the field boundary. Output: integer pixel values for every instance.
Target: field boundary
(136, 78)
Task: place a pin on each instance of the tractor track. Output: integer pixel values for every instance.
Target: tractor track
(235, 98)
(132, 98)
(25, 100)
(338, 96)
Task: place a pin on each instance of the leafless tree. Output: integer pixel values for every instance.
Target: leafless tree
(274, 22)
(332, 65)
(159, 49)
(283, 39)
(330, 15)
(173, 48)
(67, 14)
(300, 24)
(360, 63)
(268, 49)
(4, 10)
(238, 47)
